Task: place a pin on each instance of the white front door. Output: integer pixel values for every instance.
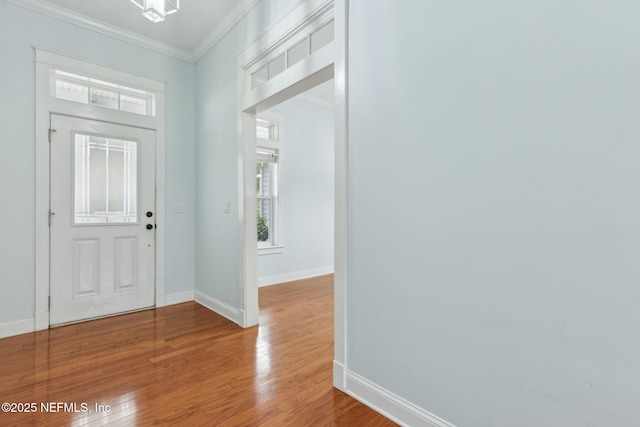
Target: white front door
(102, 219)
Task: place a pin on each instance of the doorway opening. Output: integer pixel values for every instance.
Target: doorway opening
(249, 156)
(295, 166)
(256, 94)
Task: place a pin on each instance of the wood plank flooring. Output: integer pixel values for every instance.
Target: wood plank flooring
(184, 365)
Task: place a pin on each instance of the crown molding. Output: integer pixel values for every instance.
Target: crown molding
(72, 17)
(241, 9)
(46, 8)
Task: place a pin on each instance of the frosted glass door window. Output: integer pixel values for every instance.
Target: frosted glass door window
(105, 180)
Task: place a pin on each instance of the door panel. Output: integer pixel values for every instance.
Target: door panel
(102, 254)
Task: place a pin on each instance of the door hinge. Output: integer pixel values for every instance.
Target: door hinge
(49, 302)
(51, 131)
(50, 215)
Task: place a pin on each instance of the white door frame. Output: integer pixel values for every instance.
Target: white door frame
(46, 105)
(313, 73)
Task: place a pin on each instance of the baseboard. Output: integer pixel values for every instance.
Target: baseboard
(17, 328)
(217, 306)
(290, 277)
(179, 298)
(339, 379)
(390, 405)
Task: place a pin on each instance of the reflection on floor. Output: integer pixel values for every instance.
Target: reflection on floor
(185, 365)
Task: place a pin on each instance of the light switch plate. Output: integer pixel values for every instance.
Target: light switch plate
(179, 207)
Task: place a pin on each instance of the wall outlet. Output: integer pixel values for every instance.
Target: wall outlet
(227, 206)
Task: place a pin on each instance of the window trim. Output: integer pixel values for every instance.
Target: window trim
(270, 250)
(275, 142)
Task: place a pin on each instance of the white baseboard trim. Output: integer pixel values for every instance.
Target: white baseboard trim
(290, 277)
(339, 379)
(179, 298)
(217, 306)
(391, 406)
(17, 328)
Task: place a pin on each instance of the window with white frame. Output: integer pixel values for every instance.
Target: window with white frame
(307, 41)
(105, 180)
(268, 185)
(87, 90)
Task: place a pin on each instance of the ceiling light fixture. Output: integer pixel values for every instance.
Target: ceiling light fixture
(156, 10)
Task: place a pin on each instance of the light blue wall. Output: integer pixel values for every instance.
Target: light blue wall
(494, 265)
(307, 190)
(217, 154)
(20, 29)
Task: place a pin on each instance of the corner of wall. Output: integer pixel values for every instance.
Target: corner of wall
(388, 404)
(219, 307)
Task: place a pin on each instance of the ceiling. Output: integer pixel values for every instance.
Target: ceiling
(206, 21)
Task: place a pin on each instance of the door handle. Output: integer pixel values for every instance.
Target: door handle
(149, 227)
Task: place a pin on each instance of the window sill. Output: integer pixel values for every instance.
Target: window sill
(270, 250)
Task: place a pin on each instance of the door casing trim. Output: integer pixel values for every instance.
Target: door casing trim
(47, 105)
(315, 70)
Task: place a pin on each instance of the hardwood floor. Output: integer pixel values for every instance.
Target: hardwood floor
(185, 365)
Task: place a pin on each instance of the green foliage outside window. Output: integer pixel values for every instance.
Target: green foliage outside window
(263, 229)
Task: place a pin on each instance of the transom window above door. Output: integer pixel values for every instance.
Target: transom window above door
(101, 93)
(306, 43)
